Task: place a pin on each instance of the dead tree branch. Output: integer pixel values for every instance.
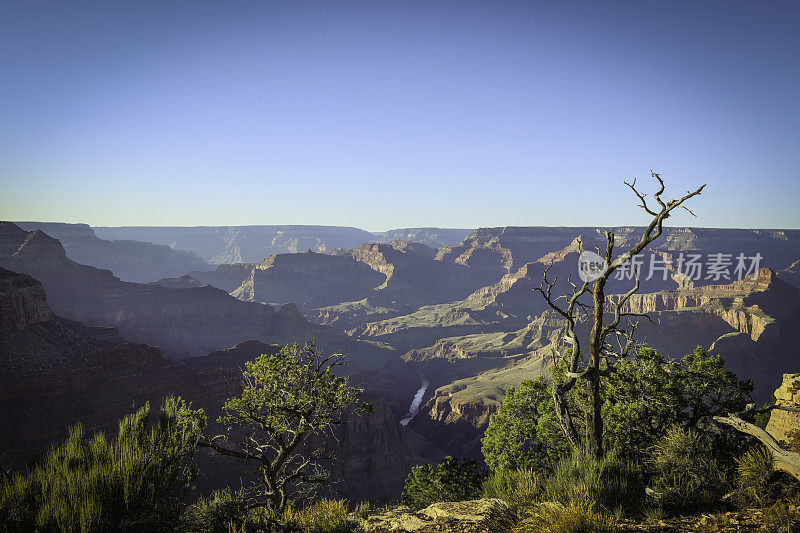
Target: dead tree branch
(598, 347)
(782, 459)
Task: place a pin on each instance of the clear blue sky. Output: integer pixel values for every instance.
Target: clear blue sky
(394, 114)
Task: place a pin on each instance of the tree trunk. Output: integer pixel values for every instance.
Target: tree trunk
(594, 418)
(564, 418)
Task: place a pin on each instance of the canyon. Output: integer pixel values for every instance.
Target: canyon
(248, 244)
(130, 260)
(55, 373)
(449, 326)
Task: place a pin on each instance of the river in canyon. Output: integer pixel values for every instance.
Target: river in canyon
(415, 404)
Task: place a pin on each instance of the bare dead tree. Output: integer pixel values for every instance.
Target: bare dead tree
(600, 349)
(782, 459)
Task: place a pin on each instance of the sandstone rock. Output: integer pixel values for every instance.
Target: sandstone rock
(784, 425)
(397, 519)
(443, 516)
(469, 511)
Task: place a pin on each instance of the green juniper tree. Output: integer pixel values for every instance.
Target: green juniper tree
(645, 395)
(450, 481)
(286, 403)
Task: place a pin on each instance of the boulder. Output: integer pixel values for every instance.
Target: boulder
(466, 516)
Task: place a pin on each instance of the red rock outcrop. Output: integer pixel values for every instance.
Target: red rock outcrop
(729, 301)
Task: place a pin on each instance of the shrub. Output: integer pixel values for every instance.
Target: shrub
(515, 487)
(779, 517)
(504, 518)
(216, 513)
(597, 484)
(524, 432)
(450, 481)
(754, 468)
(643, 395)
(137, 482)
(688, 475)
(549, 518)
(520, 489)
(325, 516)
(653, 513)
(362, 510)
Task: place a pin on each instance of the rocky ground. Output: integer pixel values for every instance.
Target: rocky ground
(472, 517)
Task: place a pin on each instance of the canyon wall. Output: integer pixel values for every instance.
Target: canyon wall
(130, 260)
(186, 322)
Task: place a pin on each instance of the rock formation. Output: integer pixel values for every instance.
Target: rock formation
(463, 318)
(309, 280)
(55, 373)
(751, 323)
(464, 517)
(432, 237)
(509, 248)
(185, 321)
(22, 302)
(785, 425)
(129, 260)
(243, 244)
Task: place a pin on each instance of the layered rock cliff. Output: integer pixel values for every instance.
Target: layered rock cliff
(509, 248)
(729, 302)
(22, 302)
(377, 454)
(185, 322)
(432, 237)
(55, 372)
(414, 277)
(243, 244)
(129, 260)
(309, 280)
(31, 337)
(93, 378)
(751, 323)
